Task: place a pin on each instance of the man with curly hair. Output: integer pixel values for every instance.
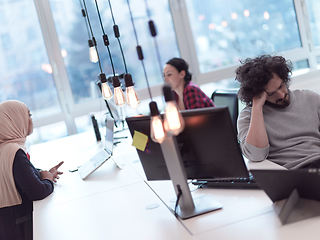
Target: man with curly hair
(277, 124)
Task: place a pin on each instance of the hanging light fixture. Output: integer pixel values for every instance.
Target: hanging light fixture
(118, 93)
(94, 57)
(131, 95)
(93, 54)
(157, 132)
(105, 89)
(92, 51)
(173, 120)
(153, 33)
(132, 98)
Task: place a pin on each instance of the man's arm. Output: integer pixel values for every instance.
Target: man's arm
(257, 134)
(252, 133)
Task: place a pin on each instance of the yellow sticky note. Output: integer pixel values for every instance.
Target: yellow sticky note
(139, 140)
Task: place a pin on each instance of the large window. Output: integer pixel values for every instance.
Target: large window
(314, 18)
(225, 33)
(25, 74)
(44, 52)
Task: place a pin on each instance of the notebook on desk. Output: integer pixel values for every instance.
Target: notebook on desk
(103, 155)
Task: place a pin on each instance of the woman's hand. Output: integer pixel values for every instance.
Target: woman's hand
(46, 175)
(55, 168)
(55, 171)
(52, 174)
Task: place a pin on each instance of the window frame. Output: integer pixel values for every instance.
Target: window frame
(186, 45)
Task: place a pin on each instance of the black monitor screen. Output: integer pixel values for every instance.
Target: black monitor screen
(208, 145)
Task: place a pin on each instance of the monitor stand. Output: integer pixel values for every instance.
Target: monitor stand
(188, 207)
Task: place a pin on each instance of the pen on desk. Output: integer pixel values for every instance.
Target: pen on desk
(121, 137)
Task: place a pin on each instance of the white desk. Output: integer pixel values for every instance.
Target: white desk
(113, 203)
(76, 150)
(120, 213)
(110, 204)
(265, 227)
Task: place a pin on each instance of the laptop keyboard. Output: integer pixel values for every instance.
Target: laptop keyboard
(230, 183)
(97, 159)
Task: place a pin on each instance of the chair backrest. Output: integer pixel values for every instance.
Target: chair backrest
(228, 98)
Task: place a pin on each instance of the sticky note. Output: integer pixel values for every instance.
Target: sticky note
(139, 140)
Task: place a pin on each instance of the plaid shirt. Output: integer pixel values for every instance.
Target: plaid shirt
(194, 97)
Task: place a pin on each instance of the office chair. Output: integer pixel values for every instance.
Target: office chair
(26, 224)
(227, 98)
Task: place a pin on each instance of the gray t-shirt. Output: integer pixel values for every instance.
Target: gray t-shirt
(293, 132)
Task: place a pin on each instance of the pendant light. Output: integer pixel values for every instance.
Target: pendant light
(173, 120)
(157, 132)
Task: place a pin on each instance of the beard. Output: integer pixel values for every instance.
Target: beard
(280, 103)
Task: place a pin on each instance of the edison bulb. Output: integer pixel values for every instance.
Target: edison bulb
(157, 132)
(106, 91)
(174, 122)
(93, 55)
(132, 98)
(119, 97)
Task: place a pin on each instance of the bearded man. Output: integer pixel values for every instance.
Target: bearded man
(277, 124)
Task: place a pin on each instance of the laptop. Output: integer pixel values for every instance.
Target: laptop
(295, 193)
(279, 184)
(103, 155)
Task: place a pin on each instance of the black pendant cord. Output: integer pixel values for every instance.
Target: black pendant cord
(93, 38)
(105, 38)
(139, 50)
(86, 16)
(117, 36)
(153, 33)
(85, 19)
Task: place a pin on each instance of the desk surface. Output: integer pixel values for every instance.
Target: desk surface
(75, 150)
(121, 204)
(122, 213)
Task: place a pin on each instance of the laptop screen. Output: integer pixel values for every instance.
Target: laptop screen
(103, 155)
(109, 134)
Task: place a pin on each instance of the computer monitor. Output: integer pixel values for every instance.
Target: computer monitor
(208, 145)
(227, 98)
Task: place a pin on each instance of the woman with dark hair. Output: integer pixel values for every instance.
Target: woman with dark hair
(188, 95)
(20, 182)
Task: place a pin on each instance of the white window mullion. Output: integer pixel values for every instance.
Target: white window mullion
(59, 71)
(305, 31)
(184, 35)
